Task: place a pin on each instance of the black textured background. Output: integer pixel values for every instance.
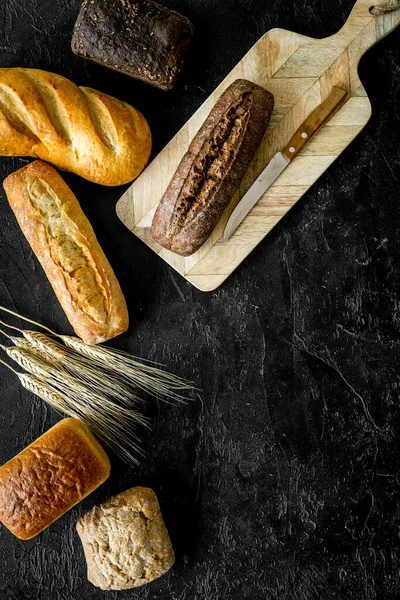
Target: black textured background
(282, 480)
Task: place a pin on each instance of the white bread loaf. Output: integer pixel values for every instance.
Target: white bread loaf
(78, 129)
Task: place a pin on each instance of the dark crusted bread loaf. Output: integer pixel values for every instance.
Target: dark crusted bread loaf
(212, 169)
(139, 38)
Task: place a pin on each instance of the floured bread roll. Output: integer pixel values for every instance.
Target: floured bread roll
(125, 541)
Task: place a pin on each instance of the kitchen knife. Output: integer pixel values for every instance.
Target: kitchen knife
(315, 120)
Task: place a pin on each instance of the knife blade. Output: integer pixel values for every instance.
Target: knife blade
(271, 172)
(313, 123)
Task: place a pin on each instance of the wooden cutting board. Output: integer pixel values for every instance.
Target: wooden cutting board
(300, 71)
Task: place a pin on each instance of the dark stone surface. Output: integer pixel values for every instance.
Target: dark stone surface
(282, 480)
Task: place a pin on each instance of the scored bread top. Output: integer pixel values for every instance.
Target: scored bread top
(65, 244)
(49, 477)
(78, 129)
(211, 170)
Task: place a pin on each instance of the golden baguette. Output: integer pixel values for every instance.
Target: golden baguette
(78, 129)
(65, 244)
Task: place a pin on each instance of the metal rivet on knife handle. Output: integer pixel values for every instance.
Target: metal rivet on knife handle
(315, 120)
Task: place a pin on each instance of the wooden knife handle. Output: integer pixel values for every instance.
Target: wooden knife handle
(315, 120)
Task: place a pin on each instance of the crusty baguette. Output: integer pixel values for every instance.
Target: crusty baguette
(78, 129)
(65, 244)
(212, 169)
(49, 477)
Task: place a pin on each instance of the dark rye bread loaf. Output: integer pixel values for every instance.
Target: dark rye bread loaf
(139, 38)
(212, 169)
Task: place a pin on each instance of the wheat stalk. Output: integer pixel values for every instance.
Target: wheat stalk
(69, 386)
(113, 434)
(90, 382)
(77, 366)
(79, 363)
(149, 379)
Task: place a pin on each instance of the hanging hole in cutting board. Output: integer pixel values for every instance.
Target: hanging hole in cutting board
(386, 8)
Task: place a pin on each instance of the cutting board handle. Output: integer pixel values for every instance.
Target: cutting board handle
(384, 9)
(381, 16)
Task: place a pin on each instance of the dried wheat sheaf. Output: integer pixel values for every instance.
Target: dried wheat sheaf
(100, 385)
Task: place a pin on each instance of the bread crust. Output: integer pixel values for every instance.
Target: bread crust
(125, 541)
(67, 248)
(212, 169)
(77, 129)
(49, 477)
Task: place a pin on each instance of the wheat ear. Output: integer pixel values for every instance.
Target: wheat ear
(78, 366)
(149, 379)
(83, 378)
(113, 435)
(68, 385)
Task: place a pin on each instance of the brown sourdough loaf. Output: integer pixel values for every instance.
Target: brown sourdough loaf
(78, 129)
(212, 169)
(65, 244)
